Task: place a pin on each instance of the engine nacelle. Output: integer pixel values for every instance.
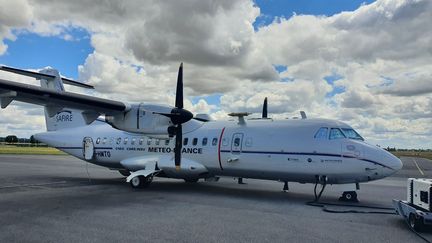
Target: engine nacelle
(142, 119)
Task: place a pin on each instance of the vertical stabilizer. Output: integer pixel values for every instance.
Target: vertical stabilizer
(58, 117)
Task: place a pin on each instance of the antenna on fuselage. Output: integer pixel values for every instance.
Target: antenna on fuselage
(303, 115)
(240, 115)
(264, 111)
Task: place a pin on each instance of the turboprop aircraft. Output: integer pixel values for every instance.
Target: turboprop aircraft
(142, 141)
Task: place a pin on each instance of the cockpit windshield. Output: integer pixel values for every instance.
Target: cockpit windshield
(352, 134)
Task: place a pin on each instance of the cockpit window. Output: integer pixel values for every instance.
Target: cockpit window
(352, 134)
(321, 133)
(336, 133)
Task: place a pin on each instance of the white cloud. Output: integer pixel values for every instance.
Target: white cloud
(13, 15)
(381, 51)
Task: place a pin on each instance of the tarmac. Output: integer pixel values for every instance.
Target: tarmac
(62, 199)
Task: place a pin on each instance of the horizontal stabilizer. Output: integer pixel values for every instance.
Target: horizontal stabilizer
(37, 75)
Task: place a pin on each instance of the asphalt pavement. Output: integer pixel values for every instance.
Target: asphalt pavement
(62, 199)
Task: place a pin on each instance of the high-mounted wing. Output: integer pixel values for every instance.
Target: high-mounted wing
(10, 91)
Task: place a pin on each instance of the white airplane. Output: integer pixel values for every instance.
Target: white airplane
(138, 139)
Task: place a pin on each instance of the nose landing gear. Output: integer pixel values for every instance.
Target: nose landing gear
(349, 196)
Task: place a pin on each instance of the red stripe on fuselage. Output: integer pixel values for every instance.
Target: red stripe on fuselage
(219, 148)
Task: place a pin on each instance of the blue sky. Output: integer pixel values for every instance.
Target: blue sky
(32, 51)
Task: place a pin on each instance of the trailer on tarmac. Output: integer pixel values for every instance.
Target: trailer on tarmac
(417, 210)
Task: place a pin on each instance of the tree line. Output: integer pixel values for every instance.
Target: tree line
(15, 139)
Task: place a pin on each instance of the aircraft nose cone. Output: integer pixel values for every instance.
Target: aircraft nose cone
(397, 163)
(394, 162)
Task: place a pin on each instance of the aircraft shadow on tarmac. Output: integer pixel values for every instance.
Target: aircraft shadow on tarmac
(170, 187)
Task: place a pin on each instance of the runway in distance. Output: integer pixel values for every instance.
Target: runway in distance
(142, 141)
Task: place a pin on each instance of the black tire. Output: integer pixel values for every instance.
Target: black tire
(124, 172)
(415, 222)
(141, 181)
(191, 180)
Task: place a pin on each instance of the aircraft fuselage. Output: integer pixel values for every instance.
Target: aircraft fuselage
(285, 150)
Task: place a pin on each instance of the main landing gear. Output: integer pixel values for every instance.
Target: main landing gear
(349, 196)
(141, 181)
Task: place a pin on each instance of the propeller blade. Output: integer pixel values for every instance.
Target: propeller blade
(264, 112)
(179, 91)
(178, 147)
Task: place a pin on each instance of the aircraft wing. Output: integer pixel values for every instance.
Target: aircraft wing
(55, 101)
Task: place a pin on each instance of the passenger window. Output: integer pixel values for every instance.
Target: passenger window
(204, 142)
(141, 141)
(149, 141)
(104, 140)
(214, 141)
(321, 133)
(237, 142)
(133, 141)
(185, 141)
(336, 133)
(118, 140)
(157, 142)
(225, 142)
(248, 142)
(167, 142)
(125, 141)
(98, 141)
(195, 141)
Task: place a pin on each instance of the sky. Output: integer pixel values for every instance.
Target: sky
(366, 63)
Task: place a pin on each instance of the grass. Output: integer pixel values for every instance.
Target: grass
(427, 155)
(9, 149)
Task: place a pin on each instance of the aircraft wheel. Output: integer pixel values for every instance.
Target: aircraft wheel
(350, 196)
(415, 222)
(124, 172)
(191, 180)
(141, 181)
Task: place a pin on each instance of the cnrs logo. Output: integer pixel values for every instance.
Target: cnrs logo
(64, 116)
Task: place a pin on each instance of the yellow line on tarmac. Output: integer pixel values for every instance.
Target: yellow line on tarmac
(418, 167)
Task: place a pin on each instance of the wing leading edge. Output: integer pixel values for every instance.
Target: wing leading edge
(10, 91)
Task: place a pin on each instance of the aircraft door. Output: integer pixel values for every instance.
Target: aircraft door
(236, 143)
(88, 148)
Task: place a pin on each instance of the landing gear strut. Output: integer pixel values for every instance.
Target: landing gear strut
(349, 196)
(141, 181)
(285, 187)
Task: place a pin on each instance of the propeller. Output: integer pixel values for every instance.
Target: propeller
(178, 116)
(264, 111)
